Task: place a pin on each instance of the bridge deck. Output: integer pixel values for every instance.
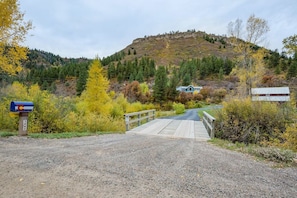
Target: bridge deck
(174, 129)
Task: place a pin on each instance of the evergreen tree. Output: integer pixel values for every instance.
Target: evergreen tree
(221, 74)
(160, 87)
(187, 79)
(62, 75)
(111, 71)
(81, 81)
(173, 82)
(131, 77)
(139, 77)
(292, 71)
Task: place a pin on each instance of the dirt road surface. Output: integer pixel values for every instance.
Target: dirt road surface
(129, 165)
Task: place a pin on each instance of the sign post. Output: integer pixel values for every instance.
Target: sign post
(23, 108)
(23, 123)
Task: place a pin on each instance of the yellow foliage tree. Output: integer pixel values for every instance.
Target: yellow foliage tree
(290, 44)
(249, 67)
(12, 32)
(96, 95)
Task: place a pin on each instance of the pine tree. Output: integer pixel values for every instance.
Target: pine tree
(292, 71)
(173, 82)
(81, 81)
(139, 77)
(160, 87)
(187, 79)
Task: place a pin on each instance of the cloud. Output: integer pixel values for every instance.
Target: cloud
(86, 28)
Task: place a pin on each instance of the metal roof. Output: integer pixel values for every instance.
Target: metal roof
(276, 94)
(271, 90)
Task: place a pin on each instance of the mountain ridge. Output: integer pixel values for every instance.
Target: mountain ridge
(174, 47)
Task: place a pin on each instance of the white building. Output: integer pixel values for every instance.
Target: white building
(188, 89)
(273, 94)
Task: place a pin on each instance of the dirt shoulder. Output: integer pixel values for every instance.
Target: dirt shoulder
(134, 166)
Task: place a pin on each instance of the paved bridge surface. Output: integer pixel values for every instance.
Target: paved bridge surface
(173, 128)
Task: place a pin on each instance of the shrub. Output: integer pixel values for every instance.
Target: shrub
(179, 108)
(250, 122)
(206, 92)
(269, 153)
(290, 137)
(185, 97)
(116, 111)
(219, 94)
(274, 154)
(197, 97)
(168, 106)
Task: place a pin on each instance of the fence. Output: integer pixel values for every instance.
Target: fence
(208, 122)
(137, 117)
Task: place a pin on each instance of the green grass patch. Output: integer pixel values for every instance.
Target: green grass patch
(164, 113)
(64, 135)
(7, 134)
(281, 157)
(54, 135)
(211, 110)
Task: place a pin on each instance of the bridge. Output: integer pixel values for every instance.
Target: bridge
(185, 126)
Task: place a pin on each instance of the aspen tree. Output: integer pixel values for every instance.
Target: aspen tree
(249, 66)
(13, 30)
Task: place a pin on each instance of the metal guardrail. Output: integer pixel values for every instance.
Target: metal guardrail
(208, 122)
(138, 117)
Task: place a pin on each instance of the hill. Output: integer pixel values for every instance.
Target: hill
(174, 47)
(38, 58)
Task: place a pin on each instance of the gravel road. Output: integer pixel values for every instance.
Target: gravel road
(129, 165)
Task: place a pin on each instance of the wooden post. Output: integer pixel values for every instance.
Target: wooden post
(127, 122)
(138, 116)
(23, 123)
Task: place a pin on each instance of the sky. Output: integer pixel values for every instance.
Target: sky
(90, 28)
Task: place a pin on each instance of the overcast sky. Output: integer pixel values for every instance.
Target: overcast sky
(86, 28)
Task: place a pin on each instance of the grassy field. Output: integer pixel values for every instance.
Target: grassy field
(211, 109)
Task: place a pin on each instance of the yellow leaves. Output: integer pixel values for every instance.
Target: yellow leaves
(17, 91)
(290, 44)
(291, 137)
(12, 34)
(96, 95)
(250, 67)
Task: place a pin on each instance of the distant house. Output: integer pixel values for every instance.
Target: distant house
(273, 94)
(188, 89)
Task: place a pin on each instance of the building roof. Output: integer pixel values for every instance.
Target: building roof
(274, 94)
(270, 90)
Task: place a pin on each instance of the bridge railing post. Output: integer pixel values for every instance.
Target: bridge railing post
(148, 116)
(137, 117)
(208, 122)
(127, 119)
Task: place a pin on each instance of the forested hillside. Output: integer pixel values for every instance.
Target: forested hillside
(190, 57)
